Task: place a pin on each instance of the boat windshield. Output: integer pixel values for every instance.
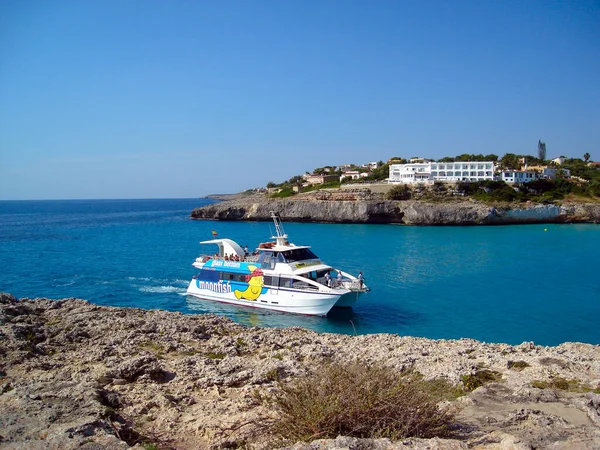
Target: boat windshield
(298, 254)
(267, 260)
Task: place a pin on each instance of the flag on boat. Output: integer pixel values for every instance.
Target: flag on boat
(214, 233)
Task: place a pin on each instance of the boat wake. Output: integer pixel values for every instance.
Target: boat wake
(159, 286)
(160, 289)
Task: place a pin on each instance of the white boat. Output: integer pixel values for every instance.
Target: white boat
(279, 276)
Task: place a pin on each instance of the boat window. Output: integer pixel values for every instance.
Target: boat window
(299, 254)
(305, 285)
(208, 275)
(229, 276)
(266, 260)
(286, 282)
(310, 275)
(279, 257)
(261, 257)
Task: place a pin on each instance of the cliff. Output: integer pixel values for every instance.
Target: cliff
(363, 207)
(77, 375)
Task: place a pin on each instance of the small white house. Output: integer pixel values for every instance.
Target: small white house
(559, 160)
(319, 179)
(354, 174)
(550, 173)
(518, 176)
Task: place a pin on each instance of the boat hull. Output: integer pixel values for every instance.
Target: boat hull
(347, 300)
(282, 300)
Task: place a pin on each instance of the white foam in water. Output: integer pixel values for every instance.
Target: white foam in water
(160, 289)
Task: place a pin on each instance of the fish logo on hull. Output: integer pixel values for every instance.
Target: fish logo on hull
(255, 285)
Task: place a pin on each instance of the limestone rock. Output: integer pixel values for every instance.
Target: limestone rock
(363, 207)
(77, 375)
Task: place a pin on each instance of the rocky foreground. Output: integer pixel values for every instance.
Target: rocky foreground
(362, 206)
(77, 375)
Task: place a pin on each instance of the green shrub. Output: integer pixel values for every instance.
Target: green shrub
(215, 355)
(359, 401)
(400, 192)
(479, 378)
(518, 365)
(562, 384)
(285, 192)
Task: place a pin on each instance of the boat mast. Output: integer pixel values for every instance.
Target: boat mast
(281, 236)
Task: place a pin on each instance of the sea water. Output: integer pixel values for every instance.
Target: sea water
(509, 284)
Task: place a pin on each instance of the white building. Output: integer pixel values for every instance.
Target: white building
(436, 171)
(418, 159)
(550, 173)
(319, 179)
(355, 175)
(371, 165)
(518, 176)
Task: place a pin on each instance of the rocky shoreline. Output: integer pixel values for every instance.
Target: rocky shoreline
(78, 375)
(362, 206)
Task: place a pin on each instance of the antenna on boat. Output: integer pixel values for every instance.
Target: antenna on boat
(281, 236)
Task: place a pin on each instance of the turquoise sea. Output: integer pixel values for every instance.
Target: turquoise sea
(509, 284)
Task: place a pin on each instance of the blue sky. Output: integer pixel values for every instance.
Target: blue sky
(158, 99)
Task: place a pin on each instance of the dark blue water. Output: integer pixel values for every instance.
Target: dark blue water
(510, 284)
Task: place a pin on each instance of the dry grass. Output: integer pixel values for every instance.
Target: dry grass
(580, 198)
(359, 401)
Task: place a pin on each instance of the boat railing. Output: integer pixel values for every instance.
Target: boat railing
(355, 286)
(247, 258)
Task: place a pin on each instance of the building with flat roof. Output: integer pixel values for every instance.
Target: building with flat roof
(320, 179)
(518, 176)
(429, 172)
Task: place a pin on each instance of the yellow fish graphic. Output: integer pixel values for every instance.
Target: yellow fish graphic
(255, 285)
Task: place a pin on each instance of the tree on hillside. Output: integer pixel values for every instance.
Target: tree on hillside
(381, 173)
(586, 157)
(401, 192)
(510, 161)
(296, 180)
(542, 150)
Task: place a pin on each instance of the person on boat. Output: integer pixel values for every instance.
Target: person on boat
(361, 279)
(245, 250)
(339, 277)
(327, 278)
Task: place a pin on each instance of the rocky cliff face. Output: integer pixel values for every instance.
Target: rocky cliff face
(77, 375)
(360, 207)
